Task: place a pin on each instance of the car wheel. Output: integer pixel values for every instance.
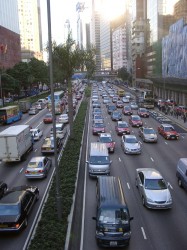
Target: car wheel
(136, 183)
(4, 189)
(180, 183)
(143, 201)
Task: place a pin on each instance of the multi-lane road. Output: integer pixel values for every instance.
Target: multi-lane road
(151, 229)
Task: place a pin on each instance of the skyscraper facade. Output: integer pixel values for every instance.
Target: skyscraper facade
(30, 29)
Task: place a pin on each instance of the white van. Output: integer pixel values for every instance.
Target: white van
(59, 130)
(99, 160)
(182, 172)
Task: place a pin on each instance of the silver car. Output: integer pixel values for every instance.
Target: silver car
(148, 134)
(130, 144)
(38, 167)
(153, 189)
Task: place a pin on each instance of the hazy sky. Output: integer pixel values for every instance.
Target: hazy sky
(60, 11)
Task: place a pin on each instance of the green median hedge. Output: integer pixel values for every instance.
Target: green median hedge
(51, 232)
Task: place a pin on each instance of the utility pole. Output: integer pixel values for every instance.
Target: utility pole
(58, 197)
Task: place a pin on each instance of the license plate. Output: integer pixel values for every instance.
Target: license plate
(113, 243)
(3, 226)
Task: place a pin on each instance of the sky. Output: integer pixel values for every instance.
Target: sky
(61, 10)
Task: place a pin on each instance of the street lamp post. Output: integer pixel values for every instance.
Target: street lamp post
(58, 197)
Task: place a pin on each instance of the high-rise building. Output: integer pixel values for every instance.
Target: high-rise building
(10, 49)
(67, 30)
(30, 29)
(180, 9)
(95, 33)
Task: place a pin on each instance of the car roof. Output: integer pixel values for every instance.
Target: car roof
(167, 125)
(122, 122)
(129, 136)
(105, 135)
(12, 197)
(135, 116)
(37, 158)
(150, 173)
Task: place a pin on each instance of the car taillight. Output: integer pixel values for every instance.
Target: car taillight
(27, 172)
(40, 171)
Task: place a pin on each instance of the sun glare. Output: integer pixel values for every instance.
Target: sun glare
(111, 9)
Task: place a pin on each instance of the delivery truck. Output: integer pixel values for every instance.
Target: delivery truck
(15, 142)
(24, 106)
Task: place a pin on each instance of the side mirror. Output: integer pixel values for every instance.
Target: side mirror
(131, 218)
(87, 161)
(94, 218)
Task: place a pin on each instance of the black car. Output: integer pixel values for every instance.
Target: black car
(3, 188)
(116, 116)
(15, 206)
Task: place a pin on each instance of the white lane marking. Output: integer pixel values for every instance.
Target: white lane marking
(35, 150)
(166, 143)
(21, 170)
(182, 137)
(152, 159)
(119, 159)
(39, 124)
(128, 185)
(143, 232)
(170, 185)
(140, 142)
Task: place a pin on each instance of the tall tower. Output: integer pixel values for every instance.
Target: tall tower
(66, 30)
(30, 29)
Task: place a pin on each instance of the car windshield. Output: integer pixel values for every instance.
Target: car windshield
(131, 140)
(155, 184)
(167, 129)
(113, 215)
(112, 107)
(100, 160)
(9, 209)
(127, 108)
(149, 131)
(143, 110)
(105, 139)
(123, 125)
(48, 116)
(99, 125)
(116, 114)
(136, 118)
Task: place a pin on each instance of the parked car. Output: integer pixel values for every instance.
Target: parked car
(122, 127)
(98, 128)
(127, 110)
(33, 111)
(107, 139)
(38, 167)
(3, 188)
(48, 118)
(181, 173)
(63, 118)
(48, 145)
(37, 133)
(15, 207)
(153, 189)
(148, 134)
(168, 132)
(135, 121)
(116, 116)
(143, 112)
(130, 144)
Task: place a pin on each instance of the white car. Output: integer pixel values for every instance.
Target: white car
(36, 133)
(63, 118)
(130, 144)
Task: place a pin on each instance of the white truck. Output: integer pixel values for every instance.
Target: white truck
(15, 142)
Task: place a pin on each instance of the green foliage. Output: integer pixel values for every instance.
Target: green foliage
(123, 74)
(157, 66)
(51, 232)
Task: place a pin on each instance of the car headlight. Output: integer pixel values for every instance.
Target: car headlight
(127, 234)
(99, 233)
(149, 200)
(169, 200)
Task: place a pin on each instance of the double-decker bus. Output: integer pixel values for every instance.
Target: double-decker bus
(148, 100)
(10, 114)
(58, 102)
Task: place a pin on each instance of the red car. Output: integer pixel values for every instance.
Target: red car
(107, 138)
(48, 118)
(143, 112)
(98, 128)
(127, 110)
(135, 121)
(168, 132)
(122, 127)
